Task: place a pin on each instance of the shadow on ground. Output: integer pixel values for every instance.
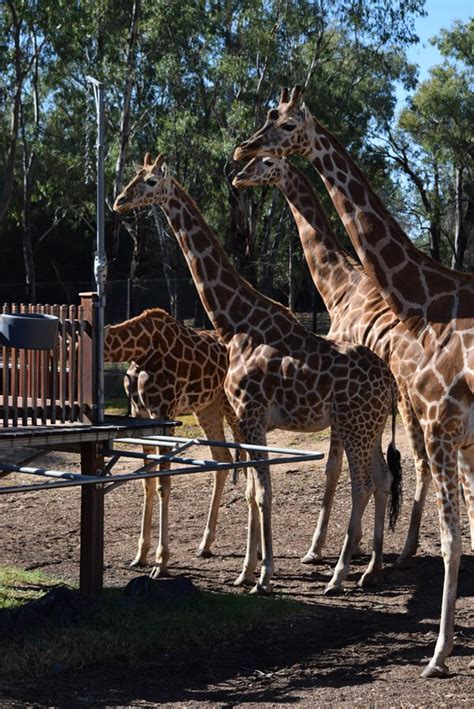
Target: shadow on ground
(333, 643)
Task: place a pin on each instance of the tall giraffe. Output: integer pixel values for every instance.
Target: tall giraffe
(175, 370)
(435, 304)
(358, 313)
(280, 376)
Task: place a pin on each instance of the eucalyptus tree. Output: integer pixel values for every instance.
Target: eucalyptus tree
(190, 79)
(435, 145)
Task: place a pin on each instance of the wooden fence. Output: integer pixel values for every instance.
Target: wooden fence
(51, 386)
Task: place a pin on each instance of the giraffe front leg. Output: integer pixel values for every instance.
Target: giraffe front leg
(247, 577)
(204, 549)
(211, 421)
(333, 473)
(423, 480)
(447, 499)
(263, 496)
(163, 488)
(144, 541)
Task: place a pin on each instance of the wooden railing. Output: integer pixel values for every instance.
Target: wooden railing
(39, 387)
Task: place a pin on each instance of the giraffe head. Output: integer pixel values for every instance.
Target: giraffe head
(285, 131)
(149, 186)
(262, 171)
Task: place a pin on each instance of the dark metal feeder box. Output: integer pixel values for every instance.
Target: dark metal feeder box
(31, 331)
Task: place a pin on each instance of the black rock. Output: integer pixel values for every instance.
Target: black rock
(166, 593)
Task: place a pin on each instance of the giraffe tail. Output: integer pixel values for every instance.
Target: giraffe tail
(395, 467)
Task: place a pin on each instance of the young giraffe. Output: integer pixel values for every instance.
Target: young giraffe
(358, 313)
(280, 376)
(175, 370)
(435, 304)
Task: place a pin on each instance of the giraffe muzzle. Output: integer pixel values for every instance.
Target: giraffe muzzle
(244, 151)
(120, 205)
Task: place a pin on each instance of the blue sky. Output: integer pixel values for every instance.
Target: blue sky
(441, 14)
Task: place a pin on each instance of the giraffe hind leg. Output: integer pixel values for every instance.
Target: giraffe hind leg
(333, 473)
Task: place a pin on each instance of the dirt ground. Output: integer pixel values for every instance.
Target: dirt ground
(365, 648)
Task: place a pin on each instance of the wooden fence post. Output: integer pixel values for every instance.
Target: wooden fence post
(92, 523)
(87, 354)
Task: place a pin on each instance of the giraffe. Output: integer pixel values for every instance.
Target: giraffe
(435, 304)
(358, 313)
(281, 376)
(174, 370)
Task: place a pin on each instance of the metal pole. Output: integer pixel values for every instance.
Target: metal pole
(100, 260)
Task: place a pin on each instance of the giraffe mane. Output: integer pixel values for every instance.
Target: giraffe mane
(148, 313)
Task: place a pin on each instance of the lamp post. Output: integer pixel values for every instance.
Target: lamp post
(100, 259)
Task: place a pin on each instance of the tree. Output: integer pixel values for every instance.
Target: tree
(439, 119)
(190, 80)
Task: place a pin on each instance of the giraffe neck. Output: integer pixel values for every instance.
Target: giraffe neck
(334, 273)
(232, 304)
(419, 291)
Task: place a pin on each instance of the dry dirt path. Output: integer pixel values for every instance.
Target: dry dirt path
(365, 648)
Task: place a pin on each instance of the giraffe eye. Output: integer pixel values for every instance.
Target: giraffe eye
(288, 126)
(151, 181)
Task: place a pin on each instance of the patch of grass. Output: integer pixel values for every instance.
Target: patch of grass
(120, 630)
(18, 586)
(117, 405)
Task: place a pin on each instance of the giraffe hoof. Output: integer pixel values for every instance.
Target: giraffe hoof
(370, 578)
(261, 590)
(159, 573)
(204, 553)
(244, 580)
(137, 564)
(311, 558)
(436, 671)
(333, 590)
(404, 561)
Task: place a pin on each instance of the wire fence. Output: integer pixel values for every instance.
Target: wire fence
(127, 298)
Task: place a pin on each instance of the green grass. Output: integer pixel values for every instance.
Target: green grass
(117, 631)
(17, 586)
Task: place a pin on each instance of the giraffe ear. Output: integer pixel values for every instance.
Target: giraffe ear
(138, 168)
(305, 111)
(164, 169)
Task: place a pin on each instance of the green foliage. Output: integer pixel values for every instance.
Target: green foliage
(204, 74)
(438, 125)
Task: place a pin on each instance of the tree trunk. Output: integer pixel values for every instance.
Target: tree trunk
(460, 233)
(435, 218)
(168, 271)
(291, 285)
(9, 175)
(239, 234)
(28, 256)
